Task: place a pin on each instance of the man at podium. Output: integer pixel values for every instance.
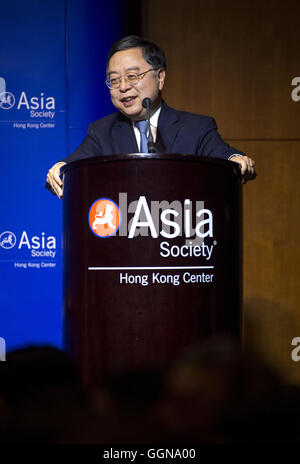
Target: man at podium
(135, 77)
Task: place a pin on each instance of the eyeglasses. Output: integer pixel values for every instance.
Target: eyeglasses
(131, 79)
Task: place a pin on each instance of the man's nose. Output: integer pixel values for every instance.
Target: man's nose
(124, 85)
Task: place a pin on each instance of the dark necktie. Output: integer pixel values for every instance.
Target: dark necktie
(142, 127)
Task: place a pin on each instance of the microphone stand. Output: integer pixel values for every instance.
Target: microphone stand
(151, 146)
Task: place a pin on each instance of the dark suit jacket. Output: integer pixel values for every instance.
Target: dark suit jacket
(177, 132)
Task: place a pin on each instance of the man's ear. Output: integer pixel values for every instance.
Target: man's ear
(161, 76)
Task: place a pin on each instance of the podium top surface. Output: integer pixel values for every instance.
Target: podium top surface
(144, 157)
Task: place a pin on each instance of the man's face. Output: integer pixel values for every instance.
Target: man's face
(128, 98)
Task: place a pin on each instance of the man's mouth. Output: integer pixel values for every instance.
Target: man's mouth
(128, 101)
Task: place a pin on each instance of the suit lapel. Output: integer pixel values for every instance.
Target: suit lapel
(122, 136)
(168, 127)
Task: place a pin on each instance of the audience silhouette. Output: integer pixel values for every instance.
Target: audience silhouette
(215, 392)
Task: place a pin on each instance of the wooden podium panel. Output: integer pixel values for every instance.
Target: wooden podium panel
(169, 276)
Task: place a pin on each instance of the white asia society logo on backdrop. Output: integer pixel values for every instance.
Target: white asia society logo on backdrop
(7, 240)
(7, 99)
(28, 250)
(41, 108)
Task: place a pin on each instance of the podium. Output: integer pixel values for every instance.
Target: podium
(152, 259)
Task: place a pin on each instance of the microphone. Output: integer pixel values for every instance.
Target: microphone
(147, 104)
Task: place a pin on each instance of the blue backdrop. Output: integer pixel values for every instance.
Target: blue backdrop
(52, 74)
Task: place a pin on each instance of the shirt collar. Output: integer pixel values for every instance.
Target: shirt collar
(154, 118)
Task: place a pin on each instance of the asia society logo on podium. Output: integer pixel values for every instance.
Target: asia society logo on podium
(184, 229)
(192, 222)
(104, 217)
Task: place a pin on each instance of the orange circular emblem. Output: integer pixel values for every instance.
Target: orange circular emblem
(104, 217)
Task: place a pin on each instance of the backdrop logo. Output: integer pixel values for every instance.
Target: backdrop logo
(7, 99)
(7, 240)
(38, 106)
(41, 245)
(104, 217)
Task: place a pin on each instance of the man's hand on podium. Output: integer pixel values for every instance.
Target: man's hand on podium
(247, 167)
(54, 180)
